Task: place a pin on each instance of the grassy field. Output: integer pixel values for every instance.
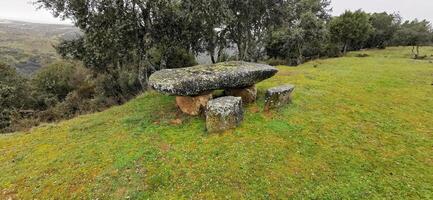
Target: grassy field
(359, 128)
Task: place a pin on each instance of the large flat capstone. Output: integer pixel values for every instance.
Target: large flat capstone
(195, 80)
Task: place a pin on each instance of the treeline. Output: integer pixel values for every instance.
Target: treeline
(124, 41)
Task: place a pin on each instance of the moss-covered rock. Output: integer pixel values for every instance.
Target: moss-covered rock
(195, 80)
(278, 96)
(223, 114)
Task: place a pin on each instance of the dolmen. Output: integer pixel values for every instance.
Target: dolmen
(193, 86)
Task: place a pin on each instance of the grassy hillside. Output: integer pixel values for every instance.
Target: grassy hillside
(359, 128)
(28, 46)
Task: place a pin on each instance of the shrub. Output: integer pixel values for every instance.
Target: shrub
(53, 83)
(5, 119)
(276, 62)
(14, 96)
(14, 89)
(171, 58)
(179, 58)
(331, 50)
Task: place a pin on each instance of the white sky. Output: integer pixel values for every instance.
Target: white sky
(408, 9)
(24, 10)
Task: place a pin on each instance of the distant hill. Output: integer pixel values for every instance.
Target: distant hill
(29, 46)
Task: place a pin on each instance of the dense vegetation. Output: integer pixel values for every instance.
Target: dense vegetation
(358, 128)
(123, 42)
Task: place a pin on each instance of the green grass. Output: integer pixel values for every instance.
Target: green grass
(359, 128)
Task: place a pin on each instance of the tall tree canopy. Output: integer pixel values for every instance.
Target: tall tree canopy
(302, 33)
(351, 29)
(414, 33)
(384, 27)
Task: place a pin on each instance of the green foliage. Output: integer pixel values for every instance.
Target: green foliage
(384, 28)
(351, 29)
(72, 49)
(414, 33)
(123, 33)
(358, 128)
(14, 88)
(303, 37)
(248, 23)
(14, 95)
(54, 82)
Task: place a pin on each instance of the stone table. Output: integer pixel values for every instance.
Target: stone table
(193, 86)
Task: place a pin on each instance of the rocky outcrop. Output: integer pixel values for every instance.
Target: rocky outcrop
(193, 81)
(223, 114)
(278, 96)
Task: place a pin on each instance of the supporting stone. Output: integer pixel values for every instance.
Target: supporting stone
(278, 96)
(194, 105)
(223, 114)
(248, 94)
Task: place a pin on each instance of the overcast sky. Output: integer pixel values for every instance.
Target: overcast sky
(408, 9)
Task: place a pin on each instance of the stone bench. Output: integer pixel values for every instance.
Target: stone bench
(223, 114)
(193, 86)
(278, 96)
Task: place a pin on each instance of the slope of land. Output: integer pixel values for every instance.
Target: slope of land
(28, 46)
(359, 128)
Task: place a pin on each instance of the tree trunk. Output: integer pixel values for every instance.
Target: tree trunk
(212, 58)
(345, 48)
(414, 54)
(219, 54)
(212, 55)
(240, 51)
(300, 56)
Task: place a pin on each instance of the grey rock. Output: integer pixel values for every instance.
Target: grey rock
(223, 114)
(195, 80)
(278, 96)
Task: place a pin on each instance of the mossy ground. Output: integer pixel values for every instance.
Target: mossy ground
(358, 128)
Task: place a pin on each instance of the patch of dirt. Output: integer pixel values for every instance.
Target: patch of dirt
(121, 192)
(255, 109)
(268, 114)
(176, 122)
(164, 147)
(8, 195)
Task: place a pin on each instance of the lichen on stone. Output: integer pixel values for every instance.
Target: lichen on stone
(224, 113)
(198, 79)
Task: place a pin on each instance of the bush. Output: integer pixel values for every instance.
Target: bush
(14, 89)
(5, 120)
(331, 50)
(171, 58)
(14, 96)
(276, 62)
(52, 83)
(179, 58)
